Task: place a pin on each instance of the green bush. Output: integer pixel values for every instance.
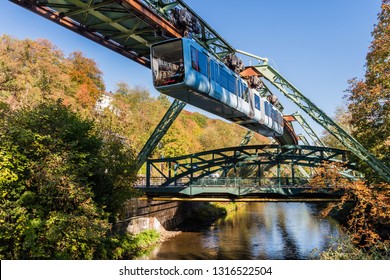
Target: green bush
(128, 246)
(60, 182)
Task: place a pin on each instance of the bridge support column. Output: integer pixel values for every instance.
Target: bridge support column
(259, 173)
(148, 167)
(293, 173)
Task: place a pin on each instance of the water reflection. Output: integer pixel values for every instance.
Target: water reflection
(258, 231)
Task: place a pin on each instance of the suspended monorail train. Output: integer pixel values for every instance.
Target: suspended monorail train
(183, 69)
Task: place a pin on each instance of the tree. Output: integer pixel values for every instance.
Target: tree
(369, 99)
(343, 118)
(365, 207)
(87, 78)
(60, 182)
(30, 71)
(36, 70)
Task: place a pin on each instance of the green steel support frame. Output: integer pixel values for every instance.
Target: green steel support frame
(165, 123)
(208, 37)
(247, 138)
(351, 174)
(321, 118)
(309, 131)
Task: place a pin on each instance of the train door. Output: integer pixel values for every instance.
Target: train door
(257, 108)
(273, 119)
(199, 78)
(215, 87)
(267, 112)
(262, 111)
(240, 88)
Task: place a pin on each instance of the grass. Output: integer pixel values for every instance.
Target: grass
(129, 246)
(344, 249)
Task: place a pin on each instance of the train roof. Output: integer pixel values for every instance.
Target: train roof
(250, 71)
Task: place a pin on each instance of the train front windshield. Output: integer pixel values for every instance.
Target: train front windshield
(167, 63)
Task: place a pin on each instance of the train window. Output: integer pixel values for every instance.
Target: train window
(231, 84)
(194, 59)
(245, 95)
(203, 64)
(244, 92)
(199, 62)
(257, 102)
(227, 81)
(223, 78)
(167, 63)
(212, 74)
(266, 108)
(214, 71)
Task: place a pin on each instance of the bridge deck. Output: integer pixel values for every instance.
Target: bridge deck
(240, 193)
(242, 199)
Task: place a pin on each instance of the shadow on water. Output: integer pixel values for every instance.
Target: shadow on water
(276, 231)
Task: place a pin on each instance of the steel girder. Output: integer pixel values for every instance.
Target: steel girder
(196, 166)
(127, 27)
(247, 138)
(309, 131)
(322, 118)
(165, 123)
(351, 174)
(208, 37)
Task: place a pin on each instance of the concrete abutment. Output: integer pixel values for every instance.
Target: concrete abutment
(140, 215)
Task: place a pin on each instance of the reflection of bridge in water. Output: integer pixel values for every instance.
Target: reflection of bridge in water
(215, 175)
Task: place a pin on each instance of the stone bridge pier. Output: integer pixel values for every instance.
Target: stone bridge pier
(140, 215)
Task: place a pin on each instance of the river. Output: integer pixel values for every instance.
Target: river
(276, 231)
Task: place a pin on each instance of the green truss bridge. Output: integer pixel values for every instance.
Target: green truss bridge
(243, 173)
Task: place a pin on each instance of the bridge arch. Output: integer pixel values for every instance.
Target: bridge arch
(184, 170)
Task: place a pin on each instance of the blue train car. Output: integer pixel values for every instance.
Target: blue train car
(183, 69)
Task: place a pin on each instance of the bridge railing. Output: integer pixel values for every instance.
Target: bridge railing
(158, 181)
(228, 182)
(251, 182)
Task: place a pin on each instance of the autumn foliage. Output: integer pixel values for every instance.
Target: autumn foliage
(369, 98)
(364, 209)
(34, 70)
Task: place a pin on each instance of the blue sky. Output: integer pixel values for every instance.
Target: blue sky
(317, 45)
